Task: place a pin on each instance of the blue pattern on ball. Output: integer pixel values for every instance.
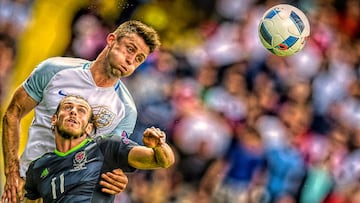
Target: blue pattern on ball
(297, 21)
(272, 13)
(265, 34)
(286, 44)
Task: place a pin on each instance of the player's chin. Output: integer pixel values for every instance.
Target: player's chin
(126, 74)
(117, 73)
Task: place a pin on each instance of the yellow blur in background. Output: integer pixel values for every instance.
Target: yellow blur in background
(47, 34)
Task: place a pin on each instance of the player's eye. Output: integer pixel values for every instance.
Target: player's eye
(82, 110)
(67, 107)
(139, 59)
(130, 49)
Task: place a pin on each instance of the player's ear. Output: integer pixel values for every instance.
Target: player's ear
(89, 128)
(53, 120)
(111, 38)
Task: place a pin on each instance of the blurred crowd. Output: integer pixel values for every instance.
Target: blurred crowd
(247, 126)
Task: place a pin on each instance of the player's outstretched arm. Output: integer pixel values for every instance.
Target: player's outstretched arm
(20, 105)
(155, 154)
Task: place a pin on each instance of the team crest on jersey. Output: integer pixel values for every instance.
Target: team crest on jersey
(104, 116)
(79, 161)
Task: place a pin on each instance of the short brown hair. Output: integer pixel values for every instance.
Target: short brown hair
(146, 32)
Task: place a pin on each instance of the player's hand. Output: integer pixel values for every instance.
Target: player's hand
(113, 182)
(153, 137)
(13, 189)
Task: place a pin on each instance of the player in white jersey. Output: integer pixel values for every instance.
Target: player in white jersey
(98, 81)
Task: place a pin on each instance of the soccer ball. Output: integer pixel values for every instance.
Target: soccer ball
(283, 30)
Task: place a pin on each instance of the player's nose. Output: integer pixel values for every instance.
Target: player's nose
(73, 111)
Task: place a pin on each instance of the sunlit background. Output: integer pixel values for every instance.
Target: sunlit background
(209, 86)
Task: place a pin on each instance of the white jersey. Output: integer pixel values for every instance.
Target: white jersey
(57, 77)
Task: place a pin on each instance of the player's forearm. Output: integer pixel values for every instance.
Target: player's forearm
(164, 155)
(10, 141)
(20, 105)
(160, 156)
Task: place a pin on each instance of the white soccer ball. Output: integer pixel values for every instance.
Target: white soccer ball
(283, 30)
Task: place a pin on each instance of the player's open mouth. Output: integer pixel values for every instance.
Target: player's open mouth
(73, 121)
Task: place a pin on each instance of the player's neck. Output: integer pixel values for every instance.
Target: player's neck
(65, 145)
(99, 75)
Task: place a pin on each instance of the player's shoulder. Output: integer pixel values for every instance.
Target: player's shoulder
(42, 160)
(53, 65)
(64, 62)
(116, 139)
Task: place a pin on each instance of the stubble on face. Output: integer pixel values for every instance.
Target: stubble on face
(67, 134)
(117, 60)
(111, 69)
(68, 131)
(71, 122)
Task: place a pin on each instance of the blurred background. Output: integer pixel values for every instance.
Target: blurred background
(247, 126)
